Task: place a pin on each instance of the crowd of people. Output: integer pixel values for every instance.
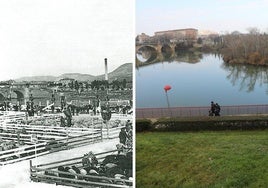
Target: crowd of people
(125, 137)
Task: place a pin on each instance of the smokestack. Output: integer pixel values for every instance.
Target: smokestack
(106, 69)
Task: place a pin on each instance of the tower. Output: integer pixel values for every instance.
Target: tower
(106, 69)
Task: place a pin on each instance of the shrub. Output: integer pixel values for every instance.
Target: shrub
(143, 125)
(264, 61)
(254, 58)
(211, 124)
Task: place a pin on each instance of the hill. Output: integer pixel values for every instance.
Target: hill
(122, 72)
(77, 76)
(36, 78)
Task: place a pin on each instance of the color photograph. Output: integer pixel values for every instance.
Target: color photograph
(201, 93)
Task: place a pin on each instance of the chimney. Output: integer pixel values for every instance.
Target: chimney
(106, 69)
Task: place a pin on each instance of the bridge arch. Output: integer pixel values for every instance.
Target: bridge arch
(19, 96)
(148, 53)
(2, 98)
(166, 50)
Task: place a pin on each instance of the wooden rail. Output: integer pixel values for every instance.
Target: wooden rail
(22, 153)
(39, 173)
(112, 132)
(46, 146)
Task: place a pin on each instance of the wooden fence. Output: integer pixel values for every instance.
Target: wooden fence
(111, 132)
(49, 173)
(10, 116)
(46, 138)
(22, 153)
(44, 145)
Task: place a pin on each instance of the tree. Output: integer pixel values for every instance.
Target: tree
(199, 40)
(71, 85)
(87, 86)
(81, 86)
(124, 83)
(76, 85)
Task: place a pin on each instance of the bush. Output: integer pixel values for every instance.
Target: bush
(254, 58)
(211, 124)
(264, 61)
(143, 125)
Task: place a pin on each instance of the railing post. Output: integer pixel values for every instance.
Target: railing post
(31, 165)
(101, 134)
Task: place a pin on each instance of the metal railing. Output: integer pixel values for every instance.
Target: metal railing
(200, 111)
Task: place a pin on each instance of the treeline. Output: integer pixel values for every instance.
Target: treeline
(250, 48)
(97, 85)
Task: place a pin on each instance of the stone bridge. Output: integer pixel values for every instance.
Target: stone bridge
(21, 94)
(156, 52)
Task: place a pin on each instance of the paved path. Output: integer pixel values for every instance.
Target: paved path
(199, 111)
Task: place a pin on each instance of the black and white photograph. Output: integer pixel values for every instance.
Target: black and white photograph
(66, 93)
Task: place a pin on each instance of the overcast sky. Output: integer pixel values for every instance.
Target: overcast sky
(215, 15)
(51, 37)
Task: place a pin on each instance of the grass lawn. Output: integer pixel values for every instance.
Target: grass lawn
(202, 159)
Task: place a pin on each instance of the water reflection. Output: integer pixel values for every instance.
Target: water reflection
(147, 56)
(195, 84)
(188, 57)
(247, 76)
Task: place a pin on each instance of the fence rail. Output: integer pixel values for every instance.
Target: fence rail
(40, 173)
(50, 138)
(199, 111)
(45, 147)
(111, 132)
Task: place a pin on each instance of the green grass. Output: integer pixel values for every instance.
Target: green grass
(202, 159)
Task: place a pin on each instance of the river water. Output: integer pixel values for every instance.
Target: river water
(200, 82)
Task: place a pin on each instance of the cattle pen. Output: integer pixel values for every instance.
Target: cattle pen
(21, 141)
(51, 173)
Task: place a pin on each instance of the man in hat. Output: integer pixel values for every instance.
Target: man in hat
(123, 136)
(68, 114)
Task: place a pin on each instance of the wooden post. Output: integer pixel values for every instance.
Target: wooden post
(31, 164)
(101, 134)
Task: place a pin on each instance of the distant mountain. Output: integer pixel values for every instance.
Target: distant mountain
(122, 72)
(36, 78)
(77, 76)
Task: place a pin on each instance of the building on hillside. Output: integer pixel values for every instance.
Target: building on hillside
(66, 81)
(142, 38)
(179, 34)
(38, 84)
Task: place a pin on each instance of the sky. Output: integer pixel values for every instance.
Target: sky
(214, 15)
(52, 37)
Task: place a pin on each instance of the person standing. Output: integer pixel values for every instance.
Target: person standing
(123, 136)
(212, 108)
(67, 113)
(217, 109)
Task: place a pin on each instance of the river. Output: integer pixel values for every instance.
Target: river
(200, 82)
